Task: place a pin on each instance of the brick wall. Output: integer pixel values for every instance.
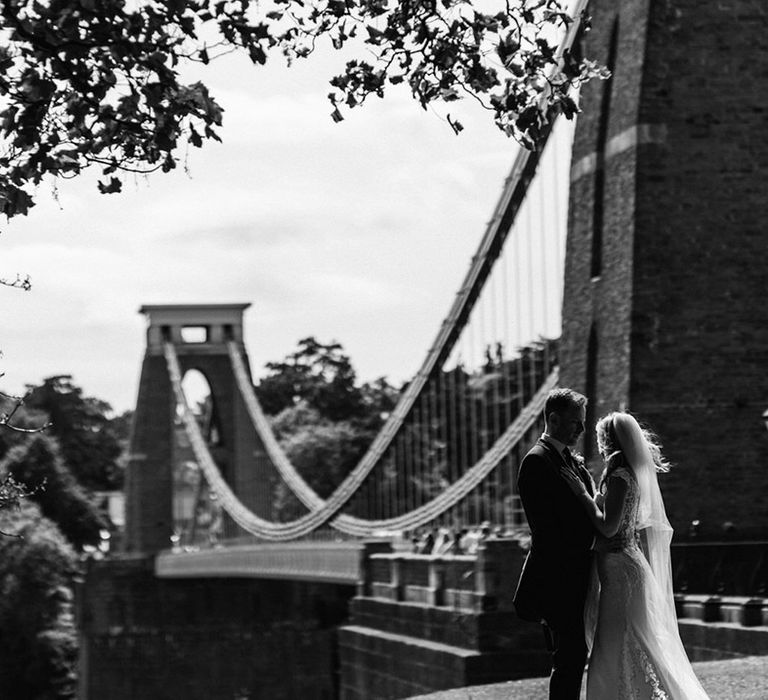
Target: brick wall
(240, 456)
(149, 480)
(205, 639)
(451, 626)
(680, 308)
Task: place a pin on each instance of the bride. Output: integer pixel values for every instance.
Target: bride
(636, 652)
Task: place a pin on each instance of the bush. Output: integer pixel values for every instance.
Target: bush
(37, 634)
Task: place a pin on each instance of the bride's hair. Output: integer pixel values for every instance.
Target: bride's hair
(610, 448)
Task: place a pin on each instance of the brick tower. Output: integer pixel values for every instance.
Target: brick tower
(666, 284)
(238, 453)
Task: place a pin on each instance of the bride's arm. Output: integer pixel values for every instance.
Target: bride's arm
(607, 520)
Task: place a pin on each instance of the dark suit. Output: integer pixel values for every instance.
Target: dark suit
(555, 577)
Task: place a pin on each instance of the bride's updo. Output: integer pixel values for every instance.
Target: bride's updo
(610, 448)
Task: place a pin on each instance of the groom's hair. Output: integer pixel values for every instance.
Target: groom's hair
(559, 400)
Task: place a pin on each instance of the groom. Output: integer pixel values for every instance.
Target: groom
(553, 585)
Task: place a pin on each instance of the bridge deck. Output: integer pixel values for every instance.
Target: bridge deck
(325, 562)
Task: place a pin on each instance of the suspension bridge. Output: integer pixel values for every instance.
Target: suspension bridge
(447, 455)
(597, 270)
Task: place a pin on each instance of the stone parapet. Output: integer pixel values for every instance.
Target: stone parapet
(743, 611)
(424, 622)
(476, 582)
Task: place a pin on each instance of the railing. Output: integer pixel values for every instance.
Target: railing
(721, 568)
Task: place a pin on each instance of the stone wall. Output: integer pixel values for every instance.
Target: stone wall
(679, 308)
(145, 638)
(422, 623)
(239, 454)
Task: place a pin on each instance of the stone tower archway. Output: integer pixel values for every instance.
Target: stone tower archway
(199, 333)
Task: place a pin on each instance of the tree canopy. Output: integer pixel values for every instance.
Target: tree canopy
(322, 417)
(38, 465)
(98, 83)
(91, 443)
(321, 375)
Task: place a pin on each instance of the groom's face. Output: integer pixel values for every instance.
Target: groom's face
(568, 425)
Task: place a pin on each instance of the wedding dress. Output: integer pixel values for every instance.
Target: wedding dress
(636, 650)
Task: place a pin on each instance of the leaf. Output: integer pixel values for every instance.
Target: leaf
(195, 138)
(569, 107)
(257, 54)
(113, 186)
(15, 201)
(375, 36)
(457, 126)
(8, 116)
(449, 94)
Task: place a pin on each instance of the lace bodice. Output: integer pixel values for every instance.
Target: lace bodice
(626, 536)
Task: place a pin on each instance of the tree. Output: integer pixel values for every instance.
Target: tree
(37, 464)
(97, 82)
(323, 452)
(90, 442)
(322, 375)
(323, 420)
(37, 632)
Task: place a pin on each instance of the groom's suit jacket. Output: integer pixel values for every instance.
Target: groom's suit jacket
(553, 582)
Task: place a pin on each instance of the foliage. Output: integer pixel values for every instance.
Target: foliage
(312, 441)
(459, 416)
(325, 421)
(37, 465)
(37, 633)
(323, 376)
(324, 452)
(91, 443)
(12, 492)
(97, 82)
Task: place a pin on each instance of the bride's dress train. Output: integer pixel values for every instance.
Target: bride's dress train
(636, 653)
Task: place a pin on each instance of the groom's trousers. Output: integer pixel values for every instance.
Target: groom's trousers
(569, 655)
(566, 634)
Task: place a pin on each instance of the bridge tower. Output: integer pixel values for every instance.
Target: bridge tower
(665, 309)
(199, 333)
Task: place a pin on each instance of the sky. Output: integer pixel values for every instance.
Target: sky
(359, 232)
